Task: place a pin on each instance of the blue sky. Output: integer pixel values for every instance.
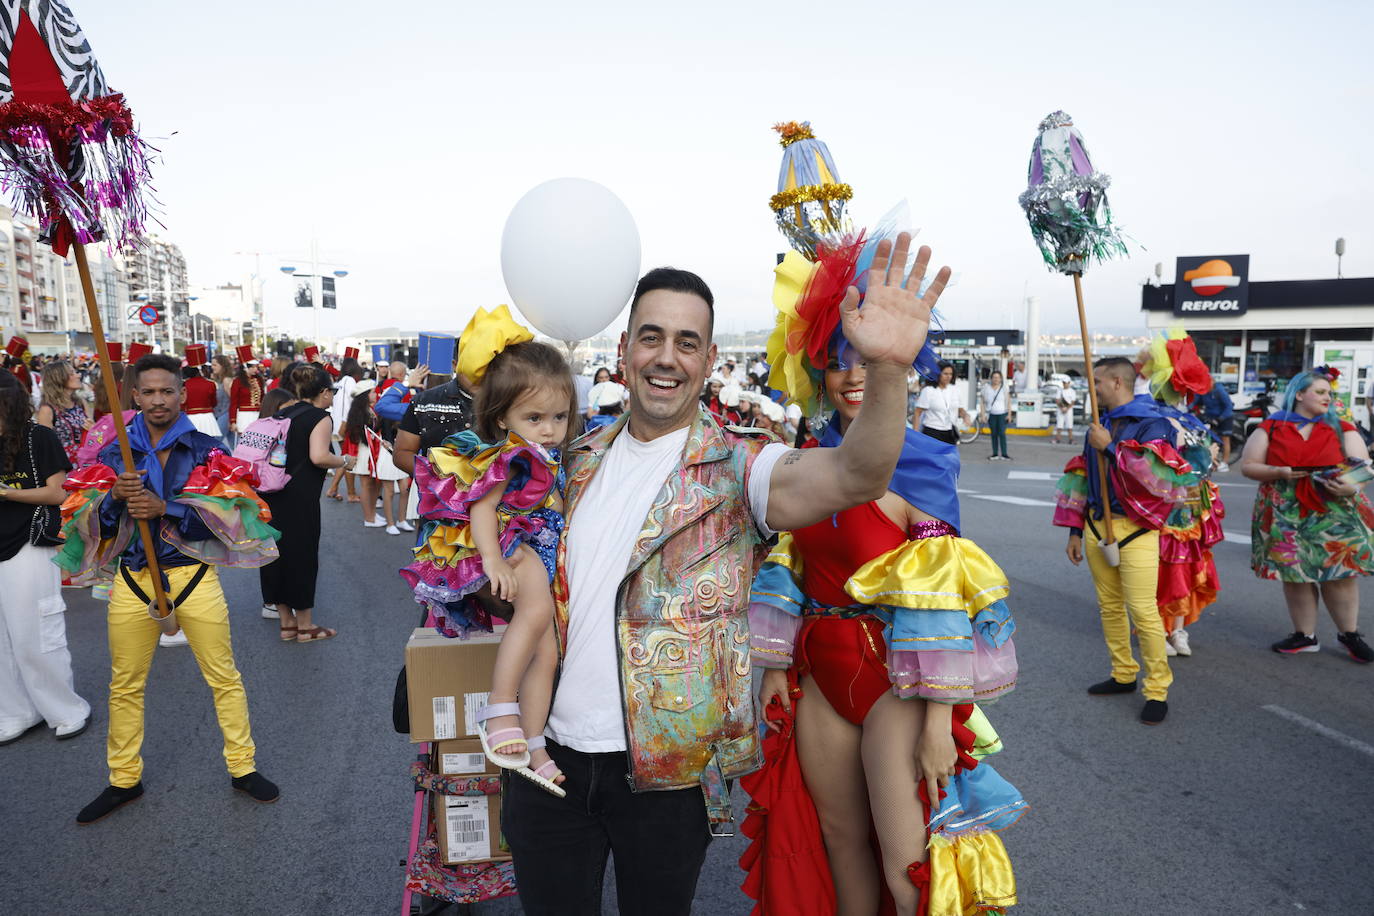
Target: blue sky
(401, 135)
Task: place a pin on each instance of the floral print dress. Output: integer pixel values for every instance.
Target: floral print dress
(1296, 539)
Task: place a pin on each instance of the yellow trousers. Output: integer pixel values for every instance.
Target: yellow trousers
(1126, 596)
(133, 639)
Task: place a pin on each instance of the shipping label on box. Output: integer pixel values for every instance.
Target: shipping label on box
(463, 757)
(467, 827)
(472, 705)
(445, 718)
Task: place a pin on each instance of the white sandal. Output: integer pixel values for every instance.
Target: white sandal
(542, 777)
(502, 737)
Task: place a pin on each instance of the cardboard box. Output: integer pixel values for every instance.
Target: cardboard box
(469, 829)
(437, 351)
(448, 680)
(462, 757)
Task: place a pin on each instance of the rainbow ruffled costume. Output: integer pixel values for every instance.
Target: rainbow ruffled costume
(447, 568)
(1165, 487)
(219, 491)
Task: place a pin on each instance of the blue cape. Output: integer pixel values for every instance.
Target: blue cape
(927, 472)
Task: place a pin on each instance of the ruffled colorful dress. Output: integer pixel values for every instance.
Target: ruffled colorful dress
(447, 569)
(1299, 532)
(866, 608)
(1160, 488)
(220, 491)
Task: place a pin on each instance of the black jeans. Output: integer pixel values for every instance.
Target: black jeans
(560, 845)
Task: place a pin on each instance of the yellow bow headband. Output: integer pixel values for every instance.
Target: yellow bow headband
(487, 335)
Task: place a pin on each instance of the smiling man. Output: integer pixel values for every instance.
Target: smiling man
(667, 517)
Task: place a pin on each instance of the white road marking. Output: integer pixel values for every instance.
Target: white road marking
(1237, 537)
(1341, 738)
(965, 492)
(1031, 475)
(1013, 500)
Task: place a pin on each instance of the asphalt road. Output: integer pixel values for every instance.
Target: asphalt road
(1250, 798)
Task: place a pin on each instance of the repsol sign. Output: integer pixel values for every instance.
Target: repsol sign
(1212, 285)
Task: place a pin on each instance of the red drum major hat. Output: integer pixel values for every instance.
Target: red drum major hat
(16, 347)
(196, 355)
(139, 350)
(312, 354)
(246, 356)
(350, 353)
(116, 350)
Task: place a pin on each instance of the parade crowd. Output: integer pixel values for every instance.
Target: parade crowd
(845, 637)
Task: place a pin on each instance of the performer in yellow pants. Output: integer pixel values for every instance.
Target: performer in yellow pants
(1126, 597)
(1146, 480)
(204, 616)
(203, 513)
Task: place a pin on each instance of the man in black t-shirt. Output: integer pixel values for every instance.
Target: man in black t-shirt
(433, 416)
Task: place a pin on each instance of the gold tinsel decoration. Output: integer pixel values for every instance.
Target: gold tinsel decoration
(793, 131)
(810, 192)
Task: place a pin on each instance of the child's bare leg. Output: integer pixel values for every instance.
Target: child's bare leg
(369, 494)
(389, 501)
(536, 695)
(519, 646)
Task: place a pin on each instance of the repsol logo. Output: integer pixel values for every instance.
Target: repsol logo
(1209, 305)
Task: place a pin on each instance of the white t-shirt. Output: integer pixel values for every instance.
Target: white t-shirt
(1069, 396)
(995, 399)
(343, 400)
(587, 712)
(940, 406)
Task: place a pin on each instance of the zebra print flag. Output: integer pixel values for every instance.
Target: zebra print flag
(69, 153)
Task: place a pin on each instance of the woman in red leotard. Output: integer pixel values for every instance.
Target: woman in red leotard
(878, 628)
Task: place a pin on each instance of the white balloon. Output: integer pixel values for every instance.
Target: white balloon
(570, 257)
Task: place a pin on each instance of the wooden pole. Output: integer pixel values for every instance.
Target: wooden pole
(1109, 537)
(112, 394)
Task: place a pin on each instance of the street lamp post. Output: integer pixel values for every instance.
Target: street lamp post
(315, 301)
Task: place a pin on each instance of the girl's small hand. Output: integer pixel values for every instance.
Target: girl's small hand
(503, 581)
(936, 756)
(774, 685)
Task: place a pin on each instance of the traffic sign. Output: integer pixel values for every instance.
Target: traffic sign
(148, 314)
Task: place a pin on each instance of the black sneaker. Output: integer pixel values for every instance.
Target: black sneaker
(1299, 642)
(256, 785)
(1110, 686)
(106, 802)
(1354, 644)
(1154, 712)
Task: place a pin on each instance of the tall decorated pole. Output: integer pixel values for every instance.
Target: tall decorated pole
(1066, 204)
(71, 159)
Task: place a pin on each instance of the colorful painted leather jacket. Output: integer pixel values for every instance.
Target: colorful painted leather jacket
(682, 625)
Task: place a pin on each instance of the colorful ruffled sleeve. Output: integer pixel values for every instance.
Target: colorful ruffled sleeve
(460, 472)
(220, 493)
(949, 627)
(1071, 500)
(1150, 479)
(88, 551)
(775, 607)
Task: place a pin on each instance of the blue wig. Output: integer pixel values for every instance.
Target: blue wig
(1300, 383)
